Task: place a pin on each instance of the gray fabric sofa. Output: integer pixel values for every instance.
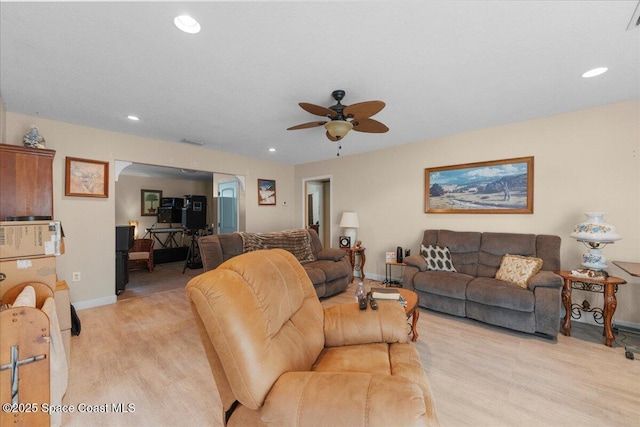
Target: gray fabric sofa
(329, 269)
(474, 292)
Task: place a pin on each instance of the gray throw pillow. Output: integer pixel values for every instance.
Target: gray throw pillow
(437, 257)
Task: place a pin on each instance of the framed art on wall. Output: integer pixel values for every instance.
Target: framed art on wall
(149, 202)
(266, 192)
(86, 178)
(499, 186)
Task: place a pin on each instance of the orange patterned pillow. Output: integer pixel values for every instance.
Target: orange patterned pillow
(518, 269)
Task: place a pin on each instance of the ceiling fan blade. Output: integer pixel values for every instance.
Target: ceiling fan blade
(317, 110)
(369, 125)
(363, 110)
(307, 125)
(331, 138)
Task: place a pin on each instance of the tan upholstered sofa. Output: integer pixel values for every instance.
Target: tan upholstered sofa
(280, 359)
(473, 290)
(329, 269)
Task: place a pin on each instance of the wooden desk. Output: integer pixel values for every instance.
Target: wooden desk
(608, 286)
(632, 268)
(352, 257)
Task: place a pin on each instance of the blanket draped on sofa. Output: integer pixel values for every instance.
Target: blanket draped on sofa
(298, 242)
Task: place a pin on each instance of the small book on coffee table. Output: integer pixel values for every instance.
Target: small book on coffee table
(385, 293)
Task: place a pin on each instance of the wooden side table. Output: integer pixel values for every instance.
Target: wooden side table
(352, 257)
(411, 309)
(608, 286)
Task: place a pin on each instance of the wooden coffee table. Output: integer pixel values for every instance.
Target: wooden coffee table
(411, 309)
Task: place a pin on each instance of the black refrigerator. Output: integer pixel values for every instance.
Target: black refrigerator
(124, 242)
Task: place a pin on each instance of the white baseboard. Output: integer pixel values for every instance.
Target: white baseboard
(634, 327)
(587, 318)
(370, 276)
(82, 305)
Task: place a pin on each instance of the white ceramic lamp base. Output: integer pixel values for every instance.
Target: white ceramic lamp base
(351, 233)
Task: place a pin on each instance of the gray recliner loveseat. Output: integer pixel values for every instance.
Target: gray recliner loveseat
(329, 269)
(473, 290)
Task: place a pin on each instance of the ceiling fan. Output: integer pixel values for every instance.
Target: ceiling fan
(344, 118)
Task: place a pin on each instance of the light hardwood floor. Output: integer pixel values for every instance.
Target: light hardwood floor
(146, 351)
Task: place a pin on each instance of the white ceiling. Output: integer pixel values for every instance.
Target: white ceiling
(442, 67)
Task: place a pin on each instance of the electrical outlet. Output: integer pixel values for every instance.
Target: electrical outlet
(76, 276)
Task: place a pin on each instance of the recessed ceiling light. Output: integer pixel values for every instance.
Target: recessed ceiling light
(134, 118)
(187, 24)
(595, 72)
(273, 150)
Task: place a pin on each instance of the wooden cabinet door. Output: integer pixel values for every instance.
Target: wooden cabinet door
(26, 181)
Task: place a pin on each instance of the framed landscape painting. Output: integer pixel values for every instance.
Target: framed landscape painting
(499, 186)
(266, 192)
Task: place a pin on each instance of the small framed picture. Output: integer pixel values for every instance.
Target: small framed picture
(345, 242)
(86, 178)
(266, 192)
(150, 202)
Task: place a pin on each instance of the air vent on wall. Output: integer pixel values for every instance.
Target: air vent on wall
(635, 18)
(186, 141)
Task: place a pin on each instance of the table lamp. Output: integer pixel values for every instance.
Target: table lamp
(135, 230)
(350, 222)
(595, 234)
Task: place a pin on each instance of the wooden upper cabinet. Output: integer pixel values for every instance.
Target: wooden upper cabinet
(26, 181)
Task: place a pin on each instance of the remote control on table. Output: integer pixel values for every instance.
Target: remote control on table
(373, 302)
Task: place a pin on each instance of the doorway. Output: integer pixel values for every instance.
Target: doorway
(227, 207)
(317, 207)
(174, 183)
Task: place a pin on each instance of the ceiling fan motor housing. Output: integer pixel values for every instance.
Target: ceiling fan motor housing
(343, 118)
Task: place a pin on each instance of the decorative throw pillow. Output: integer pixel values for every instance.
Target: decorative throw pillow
(437, 257)
(518, 269)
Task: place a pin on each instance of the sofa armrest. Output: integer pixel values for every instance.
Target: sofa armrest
(347, 398)
(210, 252)
(416, 261)
(545, 279)
(332, 254)
(346, 324)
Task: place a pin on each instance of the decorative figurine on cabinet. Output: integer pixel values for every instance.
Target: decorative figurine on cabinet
(33, 139)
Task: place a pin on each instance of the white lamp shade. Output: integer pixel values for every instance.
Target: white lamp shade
(594, 229)
(349, 220)
(595, 234)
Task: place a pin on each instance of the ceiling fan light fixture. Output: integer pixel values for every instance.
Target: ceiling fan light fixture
(338, 128)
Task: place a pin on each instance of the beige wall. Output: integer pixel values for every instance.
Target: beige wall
(89, 223)
(584, 161)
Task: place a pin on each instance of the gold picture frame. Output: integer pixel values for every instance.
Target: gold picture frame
(494, 187)
(86, 178)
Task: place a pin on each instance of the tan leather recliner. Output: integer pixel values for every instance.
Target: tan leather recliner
(279, 358)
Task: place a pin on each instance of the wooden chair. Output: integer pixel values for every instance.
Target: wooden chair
(141, 254)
